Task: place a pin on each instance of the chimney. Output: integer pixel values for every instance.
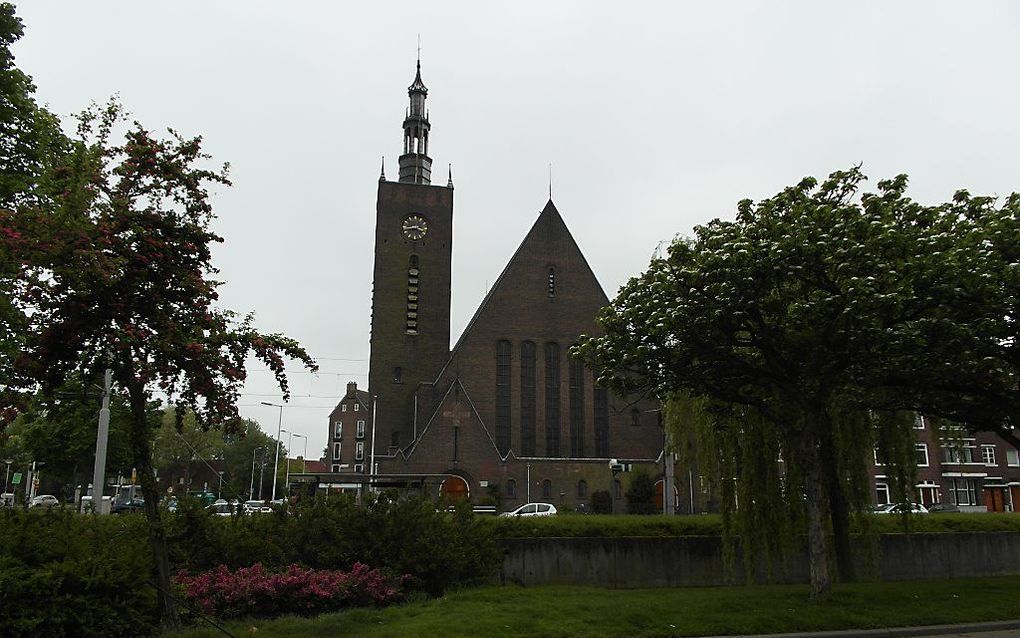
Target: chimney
(352, 389)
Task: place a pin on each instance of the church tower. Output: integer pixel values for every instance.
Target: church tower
(410, 339)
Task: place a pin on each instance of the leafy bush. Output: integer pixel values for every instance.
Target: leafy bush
(253, 591)
(62, 574)
(601, 502)
(641, 494)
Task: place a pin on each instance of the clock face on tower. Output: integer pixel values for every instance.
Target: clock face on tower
(415, 227)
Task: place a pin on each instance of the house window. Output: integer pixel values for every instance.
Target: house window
(335, 468)
(882, 493)
(528, 407)
(359, 431)
(359, 468)
(582, 489)
(511, 488)
(503, 396)
(879, 456)
(356, 406)
(1012, 457)
(957, 454)
(576, 380)
(336, 451)
(552, 399)
(988, 454)
(343, 407)
(918, 421)
(339, 429)
(963, 491)
(921, 451)
(547, 489)
(359, 450)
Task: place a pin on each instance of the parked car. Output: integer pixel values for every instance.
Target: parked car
(44, 500)
(256, 507)
(123, 507)
(900, 508)
(532, 509)
(943, 508)
(222, 508)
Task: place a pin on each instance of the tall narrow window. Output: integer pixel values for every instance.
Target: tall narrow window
(413, 272)
(528, 398)
(552, 399)
(552, 281)
(576, 408)
(336, 451)
(547, 489)
(456, 443)
(601, 422)
(503, 396)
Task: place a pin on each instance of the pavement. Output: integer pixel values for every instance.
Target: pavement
(995, 629)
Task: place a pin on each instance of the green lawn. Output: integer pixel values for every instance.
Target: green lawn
(591, 611)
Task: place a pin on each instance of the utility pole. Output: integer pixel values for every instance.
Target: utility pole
(279, 432)
(371, 455)
(102, 436)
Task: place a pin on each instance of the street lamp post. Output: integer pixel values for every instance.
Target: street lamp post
(304, 456)
(279, 431)
(251, 490)
(7, 477)
(290, 441)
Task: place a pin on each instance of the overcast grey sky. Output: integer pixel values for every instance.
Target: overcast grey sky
(656, 117)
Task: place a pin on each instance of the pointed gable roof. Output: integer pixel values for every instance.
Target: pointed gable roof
(549, 241)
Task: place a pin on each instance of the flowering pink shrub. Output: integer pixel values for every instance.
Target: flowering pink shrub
(253, 591)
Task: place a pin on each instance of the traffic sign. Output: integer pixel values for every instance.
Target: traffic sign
(17, 478)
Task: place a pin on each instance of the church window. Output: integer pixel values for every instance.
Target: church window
(582, 489)
(528, 398)
(576, 408)
(503, 396)
(398, 375)
(456, 443)
(552, 281)
(413, 272)
(552, 399)
(601, 422)
(547, 489)
(511, 488)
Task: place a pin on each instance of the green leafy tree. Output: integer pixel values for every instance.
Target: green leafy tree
(59, 431)
(243, 456)
(133, 289)
(640, 494)
(808, 324)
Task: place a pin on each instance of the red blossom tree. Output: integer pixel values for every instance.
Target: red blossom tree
(114, 271)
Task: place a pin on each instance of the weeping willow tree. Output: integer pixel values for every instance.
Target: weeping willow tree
(807, 323)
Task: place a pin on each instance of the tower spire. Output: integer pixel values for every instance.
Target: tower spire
(415, 163)
(382, 170)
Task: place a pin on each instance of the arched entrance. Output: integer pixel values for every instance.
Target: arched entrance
(454, 488)
(659, 495)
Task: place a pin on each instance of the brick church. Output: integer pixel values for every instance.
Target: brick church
(506, 411)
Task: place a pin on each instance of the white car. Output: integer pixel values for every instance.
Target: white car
(900, 508)
(222, 508)
(44, 500)
(532, 509)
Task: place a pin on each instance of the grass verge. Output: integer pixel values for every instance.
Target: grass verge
(561, 611)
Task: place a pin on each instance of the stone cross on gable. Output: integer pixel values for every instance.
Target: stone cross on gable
(457, 413)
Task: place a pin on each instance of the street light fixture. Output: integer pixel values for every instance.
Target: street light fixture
(7, 477)
(304, 456)
(279, 431)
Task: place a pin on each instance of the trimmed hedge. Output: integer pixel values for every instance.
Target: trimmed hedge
(65, 575)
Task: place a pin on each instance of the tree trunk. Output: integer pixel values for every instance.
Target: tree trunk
(814, 488)
(838, 508)
(141, 453)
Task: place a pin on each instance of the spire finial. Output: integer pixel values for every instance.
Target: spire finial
(449, 180)
(550, 181)
(382, 170)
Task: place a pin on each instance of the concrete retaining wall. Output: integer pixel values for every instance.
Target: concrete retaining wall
(697, 560)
